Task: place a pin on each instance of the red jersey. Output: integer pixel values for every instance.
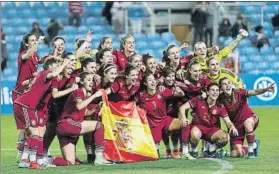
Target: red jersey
(184, 61)
(70, 110)
(195, 88)
(174, 103)
(75, 74)
(119, 91)
(205, 116)
(154, 105)
(37, 91)
(120, 60)
(26, 69)
(239, 109)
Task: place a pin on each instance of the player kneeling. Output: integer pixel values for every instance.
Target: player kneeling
(206, 120)
(246, 122)
(72, 123)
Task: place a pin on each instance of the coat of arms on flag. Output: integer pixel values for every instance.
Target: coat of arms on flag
(127, 134)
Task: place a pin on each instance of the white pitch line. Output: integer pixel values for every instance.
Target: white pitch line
(225, 165)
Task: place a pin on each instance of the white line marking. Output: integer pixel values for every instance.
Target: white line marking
(225, 165)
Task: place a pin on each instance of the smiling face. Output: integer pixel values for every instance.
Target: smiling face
(31, 41)
(137, 61)
(68, 70)
(129, 44)
(132, 77)
(150, 82)
(107, 44)
(151, 65)
(88, 82)
(87, 49)
(174, 55)
(213, 92)
(90, 68)
(214, 66)
(170, 79)
(200, 50)
(73, 60)
(195, 71)
(226, 86)
(110, 75)
(107, 58)
(59, 44)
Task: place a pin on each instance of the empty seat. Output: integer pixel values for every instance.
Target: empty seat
(155, 36)
(8, 5)
(142, 45)
(266, 51)
(38, 5)
(276, 50)
(158, 44)
(273, 42)
(24, 5)
(140, 37)
(251, 51)
(167, 37)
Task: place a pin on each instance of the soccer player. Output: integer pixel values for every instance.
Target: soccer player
(58, 45)
(124, 88)
(27, 69)
(200, 50)
(30, 116)
(83, 48)
(154, 102)
(151, 67)
(244, 119)
(215, 73)
(105, 42)
(104, 56)
(136, 61)
(127, 49)
(206, 119)
(72, 124)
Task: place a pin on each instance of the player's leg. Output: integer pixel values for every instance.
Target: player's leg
(195, 135)
(175, 136)
(20, 143)
(166, 141)
(219, 138)
(87, 140)
(90, 126)
(249, 125)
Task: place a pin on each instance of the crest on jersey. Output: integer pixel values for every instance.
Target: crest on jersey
(214, 111)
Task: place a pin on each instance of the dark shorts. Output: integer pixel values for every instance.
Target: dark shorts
(241, 132)
(163, 126)
(207, 132)
(68, 131)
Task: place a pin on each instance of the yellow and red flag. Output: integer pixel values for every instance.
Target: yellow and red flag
(127, 134)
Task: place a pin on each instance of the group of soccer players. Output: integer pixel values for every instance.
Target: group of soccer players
(65, 99)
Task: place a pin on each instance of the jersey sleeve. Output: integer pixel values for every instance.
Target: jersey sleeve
(77, 94)
(223, 53)
(223, 112)
(167, 93)
(193, 102)
(54, 83)
(243, 93)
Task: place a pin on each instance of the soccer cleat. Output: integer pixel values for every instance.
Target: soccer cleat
(257, 149)
(251, 155)
(103, 162)
(194, 154)
(35, 165)
(90, 158)
(176, 154)
(204, 154)
(168, 154)
(187, 156)
(24, 163)
(78, 161)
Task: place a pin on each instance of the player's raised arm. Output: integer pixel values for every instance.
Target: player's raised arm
(58, 70)
(57, 94)
(87, 42)
(270, 88)
(82, 104)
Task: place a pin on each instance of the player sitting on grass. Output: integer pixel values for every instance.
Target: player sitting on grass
(206, 120)
(244, 119)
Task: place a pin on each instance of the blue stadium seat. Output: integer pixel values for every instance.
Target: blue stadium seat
(149, 51)
(38, 5)
(10, 39)
(112, 36)
(155, 36)
(12, 13)
(45, 21)
(272, 58)
(8, 5)
(250, 9)
(256, 58)
(266, 51)
(96, 12)
(268, 33)
(167, 37)
(251, 51)
(268, 26)
(13, 55)
(30, 22)
(142, 45)
(116, 44)
(273, 42)
(42, 13)
(244, 59)
(52, 5)
(23, 5)
(158, 44)
(269, 9)
(275, 65)
(140, 37)
(254, 72)
(249, 66)
(64, 5)
(83, 29)
(70, 30)
(93, 21)
(26, 13)
(228, 41)
(18, 39)
(93, 5)
(22, 30)
(268, 16)
(276, 33)
(242, 51)
(245, 43)
(276, 50)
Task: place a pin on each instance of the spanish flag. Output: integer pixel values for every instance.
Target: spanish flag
(127, 134)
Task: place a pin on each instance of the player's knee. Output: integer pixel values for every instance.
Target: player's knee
(249, 125)
(223, 139)
(236, 153)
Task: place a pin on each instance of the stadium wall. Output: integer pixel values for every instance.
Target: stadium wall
(251, 82)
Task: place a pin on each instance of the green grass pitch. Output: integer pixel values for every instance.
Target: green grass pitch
(266, 163)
